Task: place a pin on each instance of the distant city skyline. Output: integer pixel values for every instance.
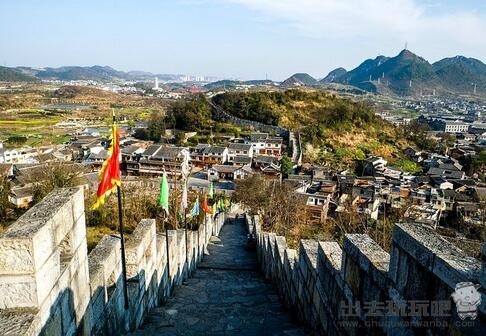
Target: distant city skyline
(244, 39)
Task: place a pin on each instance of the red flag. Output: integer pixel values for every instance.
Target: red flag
(206, 207)
(110, 171)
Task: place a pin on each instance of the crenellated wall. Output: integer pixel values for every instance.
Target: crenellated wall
(50, 286)
(322, 281)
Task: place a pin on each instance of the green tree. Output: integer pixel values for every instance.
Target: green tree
(156, 126)
(190, 115)
(286, 166)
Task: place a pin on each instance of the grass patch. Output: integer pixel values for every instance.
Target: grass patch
(94, 235)
(28, 122)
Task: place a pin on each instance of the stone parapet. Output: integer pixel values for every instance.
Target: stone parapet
(331, 288)
(50, 286)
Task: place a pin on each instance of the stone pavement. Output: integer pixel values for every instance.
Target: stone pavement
(227, 295)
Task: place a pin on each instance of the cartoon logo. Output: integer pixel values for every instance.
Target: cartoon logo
(467, 299)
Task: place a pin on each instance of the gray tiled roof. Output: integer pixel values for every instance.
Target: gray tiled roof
(242, 159)
(151, 150)
(226, 168)
(239, 146)
(255, 137)
(214, 149)
(168, 152)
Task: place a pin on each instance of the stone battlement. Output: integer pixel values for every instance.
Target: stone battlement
(50, 286)
(352, 290)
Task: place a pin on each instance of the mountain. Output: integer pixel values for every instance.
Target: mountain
(11, 75)
(461, 73)
(300, 79)
(361, 73)
(333, 76)
(96, 73)
(409, 74)
(67, 73)
(406, 73)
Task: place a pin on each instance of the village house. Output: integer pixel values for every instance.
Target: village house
(159, 158)
(21, 196)
(263, 144)
(228, 172)
(204, 155)
(267, 165)
(372, 165)
(235, 149)
(317, 204)
(131, 152)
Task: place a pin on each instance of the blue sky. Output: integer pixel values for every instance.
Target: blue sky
(236, 38)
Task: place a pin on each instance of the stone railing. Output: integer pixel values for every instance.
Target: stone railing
(50, 286)
(354, 290)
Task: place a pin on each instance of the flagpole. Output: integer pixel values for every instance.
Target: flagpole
(185, 226)
(205, 226)
(120, 222)
(164, 203)
(166, 222)
(124, 265)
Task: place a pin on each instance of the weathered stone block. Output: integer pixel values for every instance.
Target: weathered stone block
(16, 256)
(18, 292)
(79, 232)
(19, 322)
(418, 244)
(47, 276)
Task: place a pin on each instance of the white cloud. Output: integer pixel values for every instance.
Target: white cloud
(382, 22)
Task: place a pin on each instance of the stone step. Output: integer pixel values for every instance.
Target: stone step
(226, 295)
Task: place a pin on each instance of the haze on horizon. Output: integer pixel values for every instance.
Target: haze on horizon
(247, 39)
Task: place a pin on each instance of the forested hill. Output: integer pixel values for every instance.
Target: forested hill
(336, 130)
(296, 108)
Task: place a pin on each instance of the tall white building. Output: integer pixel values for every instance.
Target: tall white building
(156, 87)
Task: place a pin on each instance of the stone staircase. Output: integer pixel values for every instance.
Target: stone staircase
(227, 295)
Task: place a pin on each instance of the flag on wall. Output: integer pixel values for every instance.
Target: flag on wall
(164, 193)
(221, 206)
(183, 204)
(211, 190)
(205, 206)
(195, 209)
(110, 171)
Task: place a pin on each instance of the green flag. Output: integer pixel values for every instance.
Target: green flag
(164, 193)
(211, 190)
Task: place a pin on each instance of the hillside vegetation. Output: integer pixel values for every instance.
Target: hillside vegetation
(10, 75)
(335, 130)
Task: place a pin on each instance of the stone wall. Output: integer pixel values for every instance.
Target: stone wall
(325, 284)
(50, 286)
(222, 115)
